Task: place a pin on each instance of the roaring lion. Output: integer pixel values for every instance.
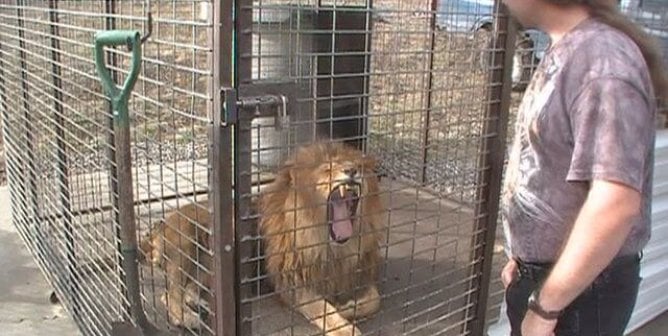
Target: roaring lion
(179, 245)
(321, 223)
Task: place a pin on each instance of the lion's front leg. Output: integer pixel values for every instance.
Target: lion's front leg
(179, 313)
(366, 305)
(324, 315)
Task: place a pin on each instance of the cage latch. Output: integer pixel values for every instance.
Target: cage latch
(267, 106)
(256, 106)
(262, 100)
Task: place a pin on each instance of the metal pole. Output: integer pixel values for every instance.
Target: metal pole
(368, 28)
(246, 225)
(430, 84)
(221, 202)
(490, 167)
(63, 162)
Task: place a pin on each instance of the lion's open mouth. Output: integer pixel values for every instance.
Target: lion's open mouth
(342, 208)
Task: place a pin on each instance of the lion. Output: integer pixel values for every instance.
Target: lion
(179, 245)
(321, 225)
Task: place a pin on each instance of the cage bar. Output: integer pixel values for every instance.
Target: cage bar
(224, 241)
(492, 157)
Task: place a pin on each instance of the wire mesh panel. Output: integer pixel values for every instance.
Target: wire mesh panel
(390, 234)
(62, 168)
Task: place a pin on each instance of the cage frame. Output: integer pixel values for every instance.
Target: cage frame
(232, 108)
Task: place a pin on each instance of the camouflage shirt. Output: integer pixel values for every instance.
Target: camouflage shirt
(588, 113)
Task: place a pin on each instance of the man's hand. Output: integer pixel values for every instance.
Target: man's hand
(600, 230)
(534, 325)
(509, 273)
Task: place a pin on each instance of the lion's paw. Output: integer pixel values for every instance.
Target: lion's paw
(191, 319)
(347, 310)
(184, 317)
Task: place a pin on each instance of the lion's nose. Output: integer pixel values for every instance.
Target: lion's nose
(351, 172)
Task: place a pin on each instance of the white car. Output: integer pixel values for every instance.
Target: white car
(477, 17)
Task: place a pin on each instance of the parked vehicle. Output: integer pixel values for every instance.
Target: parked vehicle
(476, 17)
(652, 15)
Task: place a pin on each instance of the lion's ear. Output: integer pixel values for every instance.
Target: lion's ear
(289, 170)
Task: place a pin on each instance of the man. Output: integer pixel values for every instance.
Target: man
(576, 204)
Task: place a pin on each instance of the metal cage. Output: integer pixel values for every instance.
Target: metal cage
(217, 108)
(158, 228)
(68, 202)
(428, 102)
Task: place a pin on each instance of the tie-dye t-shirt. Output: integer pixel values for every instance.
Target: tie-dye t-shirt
(588, 113)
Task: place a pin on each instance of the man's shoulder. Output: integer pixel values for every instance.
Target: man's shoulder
(602, 54)
(599, 50)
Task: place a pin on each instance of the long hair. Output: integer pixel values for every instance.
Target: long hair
(607, 12)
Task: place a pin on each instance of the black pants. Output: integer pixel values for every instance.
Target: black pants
(603, 309)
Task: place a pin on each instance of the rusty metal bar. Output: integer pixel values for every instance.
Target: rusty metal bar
(244, 38)
(225, 275)
(247, 223)
(490, 166)
(242, 169)
(367, 70)
(430, 84)
(63, 163)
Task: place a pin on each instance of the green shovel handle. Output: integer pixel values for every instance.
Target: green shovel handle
(119, 98)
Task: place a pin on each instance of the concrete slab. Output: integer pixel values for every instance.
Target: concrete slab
(658, 326)
(24, 293)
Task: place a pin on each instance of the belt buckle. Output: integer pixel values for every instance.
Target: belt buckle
(523, 270)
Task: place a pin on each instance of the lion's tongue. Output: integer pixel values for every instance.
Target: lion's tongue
(341, 224)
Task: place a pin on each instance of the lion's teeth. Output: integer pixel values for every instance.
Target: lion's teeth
(342, 192)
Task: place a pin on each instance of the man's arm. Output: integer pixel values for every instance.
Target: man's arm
(612, 124)
(600, 230)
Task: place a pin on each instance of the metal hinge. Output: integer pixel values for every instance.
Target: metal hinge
(257, 100)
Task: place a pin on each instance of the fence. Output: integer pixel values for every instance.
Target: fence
(61, 144)
(218, 107)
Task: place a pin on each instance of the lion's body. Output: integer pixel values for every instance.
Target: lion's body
(178, 245)
(311, 273)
